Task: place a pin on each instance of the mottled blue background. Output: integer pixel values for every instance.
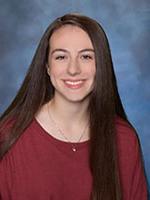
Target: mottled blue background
(127, 24)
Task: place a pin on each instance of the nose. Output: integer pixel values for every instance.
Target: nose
(73, 67)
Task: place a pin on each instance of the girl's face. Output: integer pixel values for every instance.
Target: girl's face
(71, 63)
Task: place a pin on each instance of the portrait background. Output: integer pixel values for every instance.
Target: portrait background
(127, 25)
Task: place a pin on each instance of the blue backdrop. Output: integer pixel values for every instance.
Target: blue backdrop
(127, 24)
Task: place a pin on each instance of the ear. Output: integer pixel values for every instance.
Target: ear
(48, 69)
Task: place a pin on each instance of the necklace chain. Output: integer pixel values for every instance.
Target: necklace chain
(74, 149)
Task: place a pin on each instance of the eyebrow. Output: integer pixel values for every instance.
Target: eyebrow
(64, 50)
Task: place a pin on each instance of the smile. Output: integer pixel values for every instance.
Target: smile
(74, 84)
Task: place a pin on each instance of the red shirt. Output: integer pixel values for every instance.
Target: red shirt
(41, 167)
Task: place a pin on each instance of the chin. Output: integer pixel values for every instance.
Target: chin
(74, 96)
(77, 99)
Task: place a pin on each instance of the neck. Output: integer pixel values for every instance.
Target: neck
(69, 113)
(70, 119)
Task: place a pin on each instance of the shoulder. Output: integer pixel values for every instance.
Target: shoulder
(125, 132)
(130, 161)
(127, 141)
(128, 147)
(23, 142)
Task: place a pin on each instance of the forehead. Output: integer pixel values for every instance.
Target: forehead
(70, 36)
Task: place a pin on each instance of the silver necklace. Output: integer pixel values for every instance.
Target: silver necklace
(73, 147)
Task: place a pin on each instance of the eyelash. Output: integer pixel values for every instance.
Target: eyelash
(60, 57)
(87, 57)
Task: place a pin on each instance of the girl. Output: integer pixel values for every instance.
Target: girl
(66, 136)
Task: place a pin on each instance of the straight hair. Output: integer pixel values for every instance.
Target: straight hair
(104, 105)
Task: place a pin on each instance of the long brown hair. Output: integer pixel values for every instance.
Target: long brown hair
(105, 104)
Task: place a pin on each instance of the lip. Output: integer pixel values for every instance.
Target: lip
(74, 84)
(74, 80)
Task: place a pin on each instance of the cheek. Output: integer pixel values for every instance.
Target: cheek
(56, 71)
(91, 72)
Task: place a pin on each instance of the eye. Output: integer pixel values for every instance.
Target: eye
(86, 57)
(60, 57)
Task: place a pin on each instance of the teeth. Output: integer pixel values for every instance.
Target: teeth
(73, 82)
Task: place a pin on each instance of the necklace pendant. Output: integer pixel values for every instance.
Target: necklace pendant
(74, 149)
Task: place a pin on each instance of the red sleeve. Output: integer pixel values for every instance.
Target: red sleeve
(4, 182)
(132, 175)
(5, 172)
